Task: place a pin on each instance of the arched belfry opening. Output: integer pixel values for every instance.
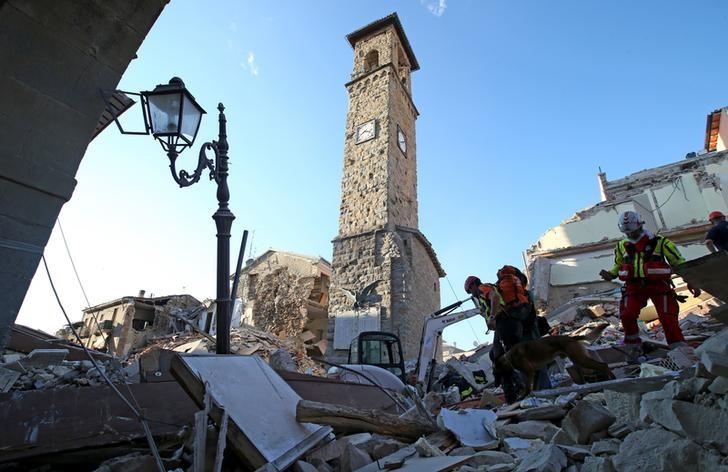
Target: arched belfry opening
(371, 61)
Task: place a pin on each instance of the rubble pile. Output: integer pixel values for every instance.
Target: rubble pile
(674, 422)
(47, 369)
(280, 298)
(244, 341)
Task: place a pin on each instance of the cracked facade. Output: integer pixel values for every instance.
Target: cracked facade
(674, 201)
(286, 294)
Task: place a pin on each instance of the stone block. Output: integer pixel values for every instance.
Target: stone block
(462, 451)
(597, 464)
(585, 419)
(489, 458)
(624, 406)
(549, 458)
(716, 343)
(655, 449)
(605, 446)
(520, 447)
(715, 362)
(719, 385)
(354, 458)
(699, 423)
(542, 430)
(576, 453)
(562, 438)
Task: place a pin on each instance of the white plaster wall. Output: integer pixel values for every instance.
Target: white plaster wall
(722, 143)
(682, 201)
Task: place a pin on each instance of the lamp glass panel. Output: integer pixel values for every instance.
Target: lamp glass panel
(191, 116)
(164, 112)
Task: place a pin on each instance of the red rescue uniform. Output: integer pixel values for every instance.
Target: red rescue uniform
(646, 268)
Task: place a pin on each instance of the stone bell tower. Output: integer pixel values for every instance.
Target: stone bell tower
(385, 272)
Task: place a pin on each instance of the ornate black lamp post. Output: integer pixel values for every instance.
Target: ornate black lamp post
(173, 117)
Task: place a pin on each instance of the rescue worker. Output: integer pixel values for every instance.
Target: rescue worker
(644, 262)
(508, 330)
(717, 238)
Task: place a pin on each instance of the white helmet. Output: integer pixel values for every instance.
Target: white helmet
(630, 221)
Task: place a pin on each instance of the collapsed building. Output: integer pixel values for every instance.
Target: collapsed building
(121, 325)
(285, 293)
(674, 200)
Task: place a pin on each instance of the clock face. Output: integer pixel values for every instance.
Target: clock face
(401, 140)
(366, 131)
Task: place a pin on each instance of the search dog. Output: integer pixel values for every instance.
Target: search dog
(531, 356)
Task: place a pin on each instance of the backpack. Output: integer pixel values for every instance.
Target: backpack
(511, 286)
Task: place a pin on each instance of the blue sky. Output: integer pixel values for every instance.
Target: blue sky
(520, 102)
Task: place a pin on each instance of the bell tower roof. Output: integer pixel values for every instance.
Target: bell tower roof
(382, 23)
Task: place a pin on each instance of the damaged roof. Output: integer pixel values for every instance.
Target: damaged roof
(149, 300)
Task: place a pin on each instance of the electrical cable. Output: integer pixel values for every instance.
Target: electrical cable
(142, 420)
(468, 319)
(333, 364)
(83, 290)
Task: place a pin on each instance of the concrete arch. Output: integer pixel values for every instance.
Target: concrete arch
(55, 55)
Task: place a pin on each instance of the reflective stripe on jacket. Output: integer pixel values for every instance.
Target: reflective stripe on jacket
(664, 248)
(484, 299)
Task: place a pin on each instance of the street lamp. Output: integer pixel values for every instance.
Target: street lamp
(173, 117)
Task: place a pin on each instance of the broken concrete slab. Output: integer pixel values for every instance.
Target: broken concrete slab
(549, 458)
(520, 447)
(489, 458)
(302, 466)
(597, 464)
(263, 430)
(585, 419)
(707, 272)
(624, 406)
(333, 449)
(668, 452)
(280, 359)
(606, 446)
(562, 438)
(715, 362)
(354, 458)
(715, 343)
(576, 453)
(41, 358)
(379, 446)
(542, 430)
(719, 385)
(7, 379)
(699, 423)
(473, 428)
(620, 430)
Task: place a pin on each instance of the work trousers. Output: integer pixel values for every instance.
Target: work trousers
(634, 298)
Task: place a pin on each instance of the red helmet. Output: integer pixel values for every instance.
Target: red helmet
(715, 214)
(470, 281)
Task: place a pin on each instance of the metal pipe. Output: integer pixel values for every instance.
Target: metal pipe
(236, 279)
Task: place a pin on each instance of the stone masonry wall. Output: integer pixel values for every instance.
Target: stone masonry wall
(402, 167)
(415, 293)
(364, 180)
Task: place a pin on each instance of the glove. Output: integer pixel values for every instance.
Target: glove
(681, 298)
(606, 275)
(695, 291)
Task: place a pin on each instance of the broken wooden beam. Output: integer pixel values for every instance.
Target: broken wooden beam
(347, 419)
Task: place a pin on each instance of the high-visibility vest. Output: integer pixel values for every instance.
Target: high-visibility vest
(484, 299)
(646, 259)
